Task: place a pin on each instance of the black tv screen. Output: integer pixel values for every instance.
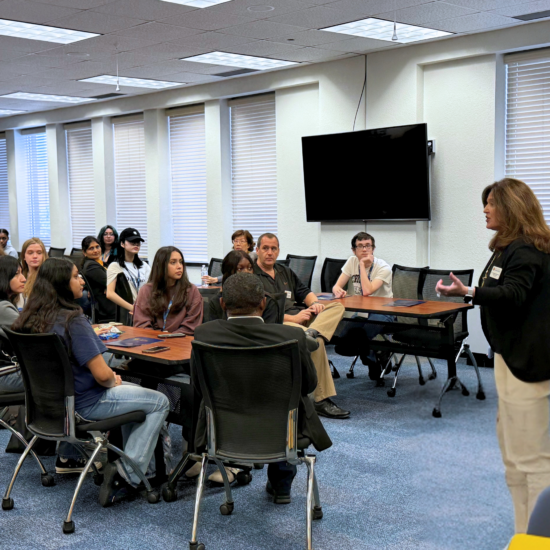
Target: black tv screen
(368, 175)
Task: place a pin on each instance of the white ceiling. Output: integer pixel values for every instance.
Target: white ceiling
(151, 36)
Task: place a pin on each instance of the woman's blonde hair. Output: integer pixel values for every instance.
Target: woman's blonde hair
(519, 214)
(26, 271)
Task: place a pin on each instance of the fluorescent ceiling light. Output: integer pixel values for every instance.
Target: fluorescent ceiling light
(379, 29)
(7, 112)
(237, 60)
(47, 97)
(41, 32)
(198, 3)
(127, 81)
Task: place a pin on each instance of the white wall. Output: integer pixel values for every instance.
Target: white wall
(455, 85)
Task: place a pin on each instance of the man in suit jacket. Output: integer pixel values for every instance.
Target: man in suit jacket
(244, 300)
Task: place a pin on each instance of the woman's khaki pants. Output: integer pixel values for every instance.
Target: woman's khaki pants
(522, 430)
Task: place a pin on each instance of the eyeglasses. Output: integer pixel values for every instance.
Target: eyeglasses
(364, 247)
(239, 241)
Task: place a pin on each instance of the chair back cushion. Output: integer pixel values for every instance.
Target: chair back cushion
(332, 269)
(250, 392)
(215, 267)
(48, 380)
(303, 266)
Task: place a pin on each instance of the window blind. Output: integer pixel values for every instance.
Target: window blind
(37, 188)
(188, 175)
(81, 183)
(254, 164)
(527, 151)
(131, 203)
(4, 195)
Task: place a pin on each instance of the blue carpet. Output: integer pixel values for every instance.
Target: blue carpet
(395, 478)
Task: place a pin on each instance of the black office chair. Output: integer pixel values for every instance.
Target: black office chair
(210, 312)
(252, 415)
(431, 340)
(283, 262)
(50, 413)
(332, 269)
(76, 252)
(94, 306)
(303, 266)
(56, 252)
(122, 288)
(215, 267)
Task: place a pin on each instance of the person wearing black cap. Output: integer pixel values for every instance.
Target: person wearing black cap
(128, 262)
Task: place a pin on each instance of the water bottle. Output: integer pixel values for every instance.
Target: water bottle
(204, 273)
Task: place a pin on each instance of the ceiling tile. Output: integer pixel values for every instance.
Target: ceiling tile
(23, 45)
(312, 55)
(80, 89)
(523, 9)
(257, 8)
(203, 68)
(418, 15)
(78, 4)
(8, 70)
(474, 22)
(486, 5)
(9, 55)
(309, 38)
(210, 41)
(150, 10)
(158, 32)
(263, 48)
(372, 7)
(263, 30)
(91, 21)
(32, 12)
(30, 63)
(151, 54)
(193, 78)
(359, 45)
(204, 20)
(156, 70)
(27, 80)
(316, 18)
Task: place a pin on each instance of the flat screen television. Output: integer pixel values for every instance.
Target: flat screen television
(368, 175)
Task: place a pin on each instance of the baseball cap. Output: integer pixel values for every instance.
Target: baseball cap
(130, 234)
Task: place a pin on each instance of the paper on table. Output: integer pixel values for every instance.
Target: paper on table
(404, 303)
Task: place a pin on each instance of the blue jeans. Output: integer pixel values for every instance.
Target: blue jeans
(12, 383)
(139, 438)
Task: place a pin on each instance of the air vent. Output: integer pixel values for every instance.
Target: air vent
(534, 15)
(237, 72)
(107, 96)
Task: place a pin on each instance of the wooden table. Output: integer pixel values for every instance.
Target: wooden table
(445, 312)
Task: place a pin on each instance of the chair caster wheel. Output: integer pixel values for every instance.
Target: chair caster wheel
(47, 480)
(7, 503)
(465, 392)
(350, 375)
(436, 413)
(196, 546)
(391, 392)
(480, 395)
(68, 527)
(98, 479)
(432, 376)
(153, 497)
(380, 383)
(421, 381)
(317, 512)
(169, 493)
(244, 478)
(258, 466)
(226, 508)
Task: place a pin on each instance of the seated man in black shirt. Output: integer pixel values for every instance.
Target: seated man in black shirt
(244, 300)
(303, 310)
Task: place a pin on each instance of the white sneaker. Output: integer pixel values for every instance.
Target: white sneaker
(194, 471)
(216, 477)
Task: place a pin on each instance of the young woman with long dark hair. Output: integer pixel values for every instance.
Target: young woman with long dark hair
(169, 302)
(514, 295)
(99, 393)
(12, 284)
(128, 262)
(95, 272)
(108, 240)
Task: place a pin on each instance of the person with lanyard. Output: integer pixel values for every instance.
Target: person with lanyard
(514, 295)
(108, 240)
(363, 275)
(169, 302)
(302, 310)
(95, 272)
(128, 262)
(6, 246)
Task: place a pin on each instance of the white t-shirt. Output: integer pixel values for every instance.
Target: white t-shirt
(136, 277)
(380, 270)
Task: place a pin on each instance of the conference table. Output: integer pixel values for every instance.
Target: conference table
(433, 316)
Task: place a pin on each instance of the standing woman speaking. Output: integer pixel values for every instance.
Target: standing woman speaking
(514, 295)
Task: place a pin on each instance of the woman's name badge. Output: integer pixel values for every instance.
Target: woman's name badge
(495, 272)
